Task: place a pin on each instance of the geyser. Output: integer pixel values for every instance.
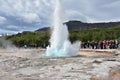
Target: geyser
(60, 46)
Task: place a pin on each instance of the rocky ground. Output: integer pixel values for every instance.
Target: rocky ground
(26, 64)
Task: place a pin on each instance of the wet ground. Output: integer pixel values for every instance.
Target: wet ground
(27, 64)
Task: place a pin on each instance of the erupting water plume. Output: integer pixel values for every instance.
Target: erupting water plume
(60, 45)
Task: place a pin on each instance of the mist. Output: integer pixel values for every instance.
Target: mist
(7, 44)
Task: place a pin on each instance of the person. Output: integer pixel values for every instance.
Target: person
(25, 46)
(85, 43)
(88, 44)
(96, 44)
(101, 44)
(82, 44)
(113, 45)
(107, 45)
(119, 45)
(110, 44)
(93, 44)
(104, 44)
(116, 43)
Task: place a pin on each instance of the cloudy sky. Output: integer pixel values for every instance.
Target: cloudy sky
(29, 15)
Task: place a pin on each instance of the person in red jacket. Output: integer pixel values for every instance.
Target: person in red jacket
(104, 44)
(110, 44)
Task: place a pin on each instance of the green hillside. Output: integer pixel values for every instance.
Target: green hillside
(35, 39)
(29, 38)
(96, 34)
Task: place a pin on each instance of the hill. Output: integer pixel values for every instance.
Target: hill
(37, 39)
(78, 25)
(43, 29)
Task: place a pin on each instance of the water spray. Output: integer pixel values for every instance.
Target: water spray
(60, 46)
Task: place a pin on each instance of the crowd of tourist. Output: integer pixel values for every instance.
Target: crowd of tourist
(106, 44)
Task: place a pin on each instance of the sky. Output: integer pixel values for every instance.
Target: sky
(29, 15)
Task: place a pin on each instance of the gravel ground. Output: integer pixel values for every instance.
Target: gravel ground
(26, 64)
